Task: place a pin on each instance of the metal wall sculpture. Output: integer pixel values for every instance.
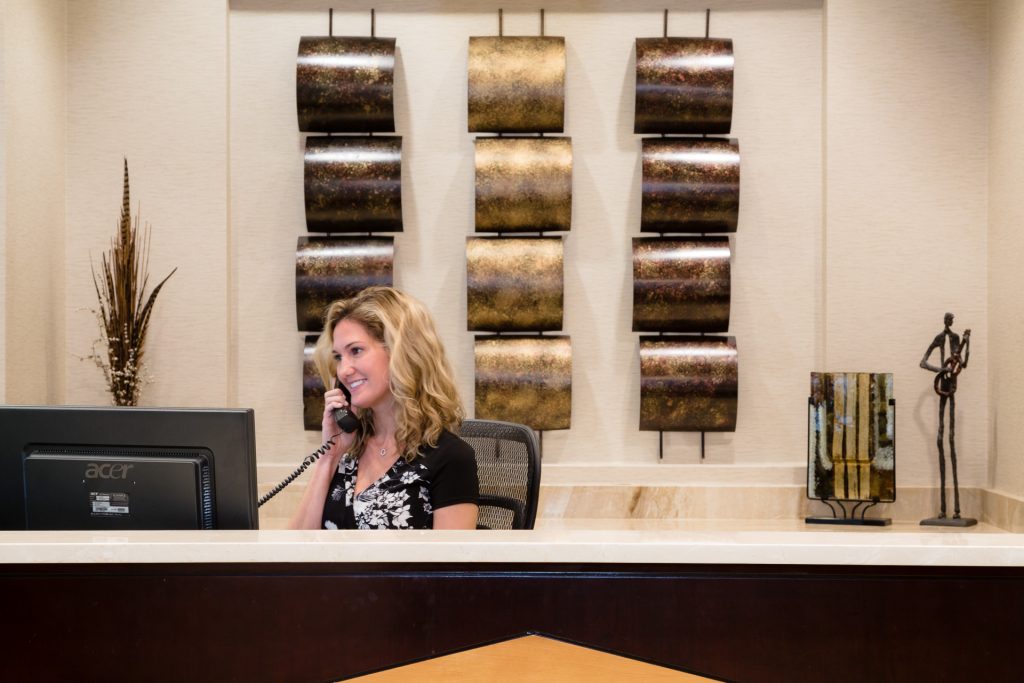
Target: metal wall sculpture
(684, 85)
(690, 185)
(525, 379)
(516, 84)
(523, 185)
(352, 182)
(851, 443)
(328, 269)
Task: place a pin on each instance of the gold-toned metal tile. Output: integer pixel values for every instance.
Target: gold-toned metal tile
(524, 379)
(516, 84)
(327, 269)
(353, 184)
(690, 185)
(688, 384)
(523, 184)
(345, 85)
(681, 284)
(514, 284)
(312, 387)
(684, 85)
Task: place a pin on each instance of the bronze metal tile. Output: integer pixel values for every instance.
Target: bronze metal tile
(516, 84)
(681, 284)
(523, 184)
(524, 379)
(690, 185)
(688, 384)
(353, 184)
(345, 85)
(684, 85)
(514, 284)
(312, 388)
(327, 269)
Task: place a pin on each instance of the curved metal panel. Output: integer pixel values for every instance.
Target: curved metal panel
(684, 85)
(688, 384)
(312, 388)
(690, 185)
(523, 184)
(524, 379)
(516, 84)
(327, 269)
(514, 284)
(345, 85)
(353, 184)
(681, 285)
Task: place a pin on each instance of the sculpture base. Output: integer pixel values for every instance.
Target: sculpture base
(949, 521)
(858, 521)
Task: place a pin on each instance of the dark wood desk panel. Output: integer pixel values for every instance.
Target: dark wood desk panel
(314, 622)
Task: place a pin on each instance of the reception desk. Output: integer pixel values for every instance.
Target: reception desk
(735, 600)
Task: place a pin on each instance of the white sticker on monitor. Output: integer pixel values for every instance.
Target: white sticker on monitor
(108, 504)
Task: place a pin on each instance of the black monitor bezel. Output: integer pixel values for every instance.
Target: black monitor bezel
(222, 431)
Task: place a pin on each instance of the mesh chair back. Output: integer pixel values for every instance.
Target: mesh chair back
(508, 465)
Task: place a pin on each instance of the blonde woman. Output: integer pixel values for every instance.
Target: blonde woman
(402, 468)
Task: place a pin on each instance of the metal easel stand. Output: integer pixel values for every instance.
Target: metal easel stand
(849, 516)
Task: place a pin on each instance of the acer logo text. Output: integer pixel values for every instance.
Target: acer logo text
(110, 471)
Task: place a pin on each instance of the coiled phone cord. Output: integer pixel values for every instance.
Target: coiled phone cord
(310, 459)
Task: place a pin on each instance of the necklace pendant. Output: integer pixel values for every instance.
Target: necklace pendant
(383, 452)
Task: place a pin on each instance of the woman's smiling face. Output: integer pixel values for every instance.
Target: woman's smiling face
(362, 365)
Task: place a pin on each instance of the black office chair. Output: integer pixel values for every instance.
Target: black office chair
(508, 465)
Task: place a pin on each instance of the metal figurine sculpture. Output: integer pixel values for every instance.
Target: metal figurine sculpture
(946, 374)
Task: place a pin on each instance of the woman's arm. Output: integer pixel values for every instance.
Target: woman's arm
(311, 508)
(458, 516)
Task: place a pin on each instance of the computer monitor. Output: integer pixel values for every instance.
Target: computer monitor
(66, 467)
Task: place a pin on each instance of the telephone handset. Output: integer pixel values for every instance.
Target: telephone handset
(347, 422)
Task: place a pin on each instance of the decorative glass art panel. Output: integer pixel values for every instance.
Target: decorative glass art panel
(684, 85)
(688, 384)
(690, 185)
(514, 284)
(851, 442)
(524, 379)
(353, 184)
(327, 269)
(681, 284)
(523, 184)
(312, 388)
(345, 85)
(516, 84)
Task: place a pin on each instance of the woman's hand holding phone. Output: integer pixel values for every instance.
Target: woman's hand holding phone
(334, 400)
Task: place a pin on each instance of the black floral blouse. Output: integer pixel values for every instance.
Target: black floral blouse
(405, 496)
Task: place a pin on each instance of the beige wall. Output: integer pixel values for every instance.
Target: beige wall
(35, 86)
(1006, 244)
(864, 130)
(150, 84)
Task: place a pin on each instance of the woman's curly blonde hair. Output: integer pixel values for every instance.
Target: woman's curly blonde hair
(422, 382)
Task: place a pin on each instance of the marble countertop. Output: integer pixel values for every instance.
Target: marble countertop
(568, 541)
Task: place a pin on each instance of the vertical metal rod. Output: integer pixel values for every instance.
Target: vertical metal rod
(330, 22)
(501, 23)
(664, 26)
(661, 444)
(540, 442)
(373, 23)
(702, 446)
(707, 23)
(542, 22)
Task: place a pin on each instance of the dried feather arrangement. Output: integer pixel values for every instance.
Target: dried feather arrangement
(124, 308)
